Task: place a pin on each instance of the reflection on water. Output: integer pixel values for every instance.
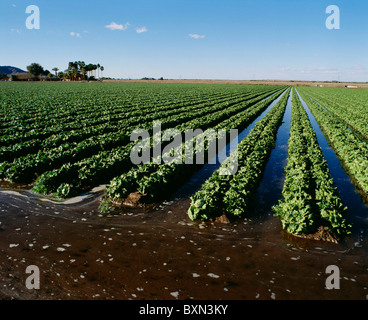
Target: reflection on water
(270, 188)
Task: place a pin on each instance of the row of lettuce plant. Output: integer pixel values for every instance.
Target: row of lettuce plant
(94, 121)
(81, 115)
(345, 113)
(231, 194)
(24, 108)
(310, 199)
(49, 137)
(158, 182)
(348, 147)
(73, 178)
(353, 100)
(24, 169)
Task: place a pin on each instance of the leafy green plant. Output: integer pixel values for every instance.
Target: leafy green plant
(310, 199)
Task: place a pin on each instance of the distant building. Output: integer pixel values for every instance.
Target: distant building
(22, 76)
(27, 77)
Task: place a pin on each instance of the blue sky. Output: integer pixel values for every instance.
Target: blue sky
(192, 39)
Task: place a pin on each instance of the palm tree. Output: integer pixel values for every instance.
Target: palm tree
(67, 74)
(82, 68)
(72, 70)
(98, 70)
(89, 69)
(102, 69)
(94, 69)
(56, 71)
(76, 73)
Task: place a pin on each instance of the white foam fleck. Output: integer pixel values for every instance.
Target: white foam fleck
(295, 258)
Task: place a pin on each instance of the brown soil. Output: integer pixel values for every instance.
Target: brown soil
(133, 200)
(322, 234)
(159, 254)
(223, 219)
(266, 82)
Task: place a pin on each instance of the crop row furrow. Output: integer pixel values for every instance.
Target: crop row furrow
(310, 199)
(102, 167)
(231, 194)
(24, 169)
(159, 181)
(350, 149)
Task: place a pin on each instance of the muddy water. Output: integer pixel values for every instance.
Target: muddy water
(161, 254)
(158, 253)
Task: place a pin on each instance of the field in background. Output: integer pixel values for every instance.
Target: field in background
(360, 85)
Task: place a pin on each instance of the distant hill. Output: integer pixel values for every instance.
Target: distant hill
(8, 70)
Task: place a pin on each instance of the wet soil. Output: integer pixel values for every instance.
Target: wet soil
(160, 254)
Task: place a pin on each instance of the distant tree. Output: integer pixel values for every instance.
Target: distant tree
(35, 69)
(79, 70)
(60, 75)
(102, 70)
(94, 69)
(13, 77)
(82, 69)
(73, 70)
(67, 74)
(56, 71)
(98, 70)
(50, 75)
(89, 68)
(3, 76)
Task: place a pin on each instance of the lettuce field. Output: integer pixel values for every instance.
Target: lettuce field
(302, 159)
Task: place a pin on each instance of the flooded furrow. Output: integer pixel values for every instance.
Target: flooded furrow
(349, 127)
(270, 188)
(196, 181)
(350, 196)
